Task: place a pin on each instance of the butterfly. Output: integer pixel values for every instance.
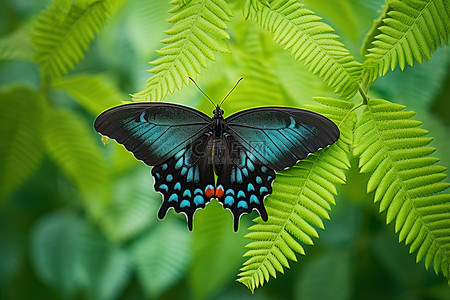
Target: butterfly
(187, 149)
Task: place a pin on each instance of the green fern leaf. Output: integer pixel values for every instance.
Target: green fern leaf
(162, 257)
(72, 146)
(302, 197)
(406, 180)
(311, 41)
(64, 31)
(21, 148)
(409, 30)
(94, 92)
(198, 31)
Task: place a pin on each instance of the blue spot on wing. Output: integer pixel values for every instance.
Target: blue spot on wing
(242, 204)
(229, 200)
(173, 197)
(198, 200)
(185, 203)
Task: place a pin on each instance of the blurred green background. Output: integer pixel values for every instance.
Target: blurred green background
(78, 219)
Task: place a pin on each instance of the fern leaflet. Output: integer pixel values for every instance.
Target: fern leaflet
(406, 180)
(65, 30)
(311, 41)
(409, 30)
(302, 197)
(198, 30)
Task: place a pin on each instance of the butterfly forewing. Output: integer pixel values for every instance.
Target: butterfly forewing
(153, 132)
(279, 137)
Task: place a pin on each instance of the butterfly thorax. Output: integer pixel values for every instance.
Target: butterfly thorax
(218, 122)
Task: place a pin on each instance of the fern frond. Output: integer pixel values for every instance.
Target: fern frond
(311, 41)
(409, 30)
(64, 31)
(198, 31)
(406, 181)
(302, 197)
(93, 92)
(21, 149)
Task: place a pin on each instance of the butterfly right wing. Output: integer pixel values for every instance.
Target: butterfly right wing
(152, 131)
(186, 180)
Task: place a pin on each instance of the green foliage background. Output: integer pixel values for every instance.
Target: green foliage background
(78, 219)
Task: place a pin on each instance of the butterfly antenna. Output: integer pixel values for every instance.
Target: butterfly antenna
(202, 91)
(231, 91)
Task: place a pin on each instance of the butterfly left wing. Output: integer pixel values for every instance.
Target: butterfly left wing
(243, 181)
(279, 137)
(152, 131)
(186, 180)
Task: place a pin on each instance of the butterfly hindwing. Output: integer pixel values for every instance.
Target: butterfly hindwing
(153, 132)
(244, 180)
(279, 136)
(186, 180)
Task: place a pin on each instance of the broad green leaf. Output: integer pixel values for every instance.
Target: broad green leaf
(71, 144)
(217, 251)
(162, 257)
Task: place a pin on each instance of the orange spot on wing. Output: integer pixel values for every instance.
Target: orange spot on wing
(209, 192)
(219, 192)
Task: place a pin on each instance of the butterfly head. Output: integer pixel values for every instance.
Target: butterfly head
(218, 112)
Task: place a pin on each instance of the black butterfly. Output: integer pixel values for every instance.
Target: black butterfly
(186, 148)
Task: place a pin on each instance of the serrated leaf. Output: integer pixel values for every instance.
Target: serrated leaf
(301, 198)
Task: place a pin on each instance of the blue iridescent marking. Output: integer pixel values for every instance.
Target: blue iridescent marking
(229, 200)
(292, 125)
(250, 165)
(187, 193)
(164, 167)
(177, 186)
(241, 194)
(233, 175)
(190, 175)
(254, 199)
(245, 172)
(269, 178)
(198, 200)
(209, 187)
(258, 180)
(250, 187)
(263, 189)
(164, 187)
(178, 155)
(238, 176)
(198, 191)
(157, 175)
(185, 203)
(196, 174)
(179, 163)
(183, 171)
(142, 117)
(229, 191)
(264, 169)
(169, 178)
(242, 204)
(173, 197)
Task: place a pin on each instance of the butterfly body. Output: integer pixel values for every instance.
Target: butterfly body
(186, 148)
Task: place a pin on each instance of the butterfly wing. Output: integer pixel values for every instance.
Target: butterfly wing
(186, 180)
(243, 181)
(172, 138)
(153, 132)
(280, 136)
